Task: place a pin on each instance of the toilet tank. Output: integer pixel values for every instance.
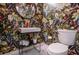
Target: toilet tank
(67, 36)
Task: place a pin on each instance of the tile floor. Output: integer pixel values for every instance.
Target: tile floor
(32, 52)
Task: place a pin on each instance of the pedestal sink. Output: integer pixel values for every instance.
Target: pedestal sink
(31, 29)
(27, 30)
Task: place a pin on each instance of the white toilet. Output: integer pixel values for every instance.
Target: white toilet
(66, 38)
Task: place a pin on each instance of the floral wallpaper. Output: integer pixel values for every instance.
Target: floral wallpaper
(43, 15)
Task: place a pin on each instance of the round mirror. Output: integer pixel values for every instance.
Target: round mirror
(26, 10)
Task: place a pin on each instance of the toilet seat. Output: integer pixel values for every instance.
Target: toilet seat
(57, 49)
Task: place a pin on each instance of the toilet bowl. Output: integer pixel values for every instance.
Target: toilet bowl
(53, 49)
(57, 49)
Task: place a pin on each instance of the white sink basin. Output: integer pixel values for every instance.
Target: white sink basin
(31, 29)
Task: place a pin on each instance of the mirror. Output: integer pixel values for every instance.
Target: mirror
(26, 10)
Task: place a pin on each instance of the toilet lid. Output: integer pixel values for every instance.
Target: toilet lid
(57, 48)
